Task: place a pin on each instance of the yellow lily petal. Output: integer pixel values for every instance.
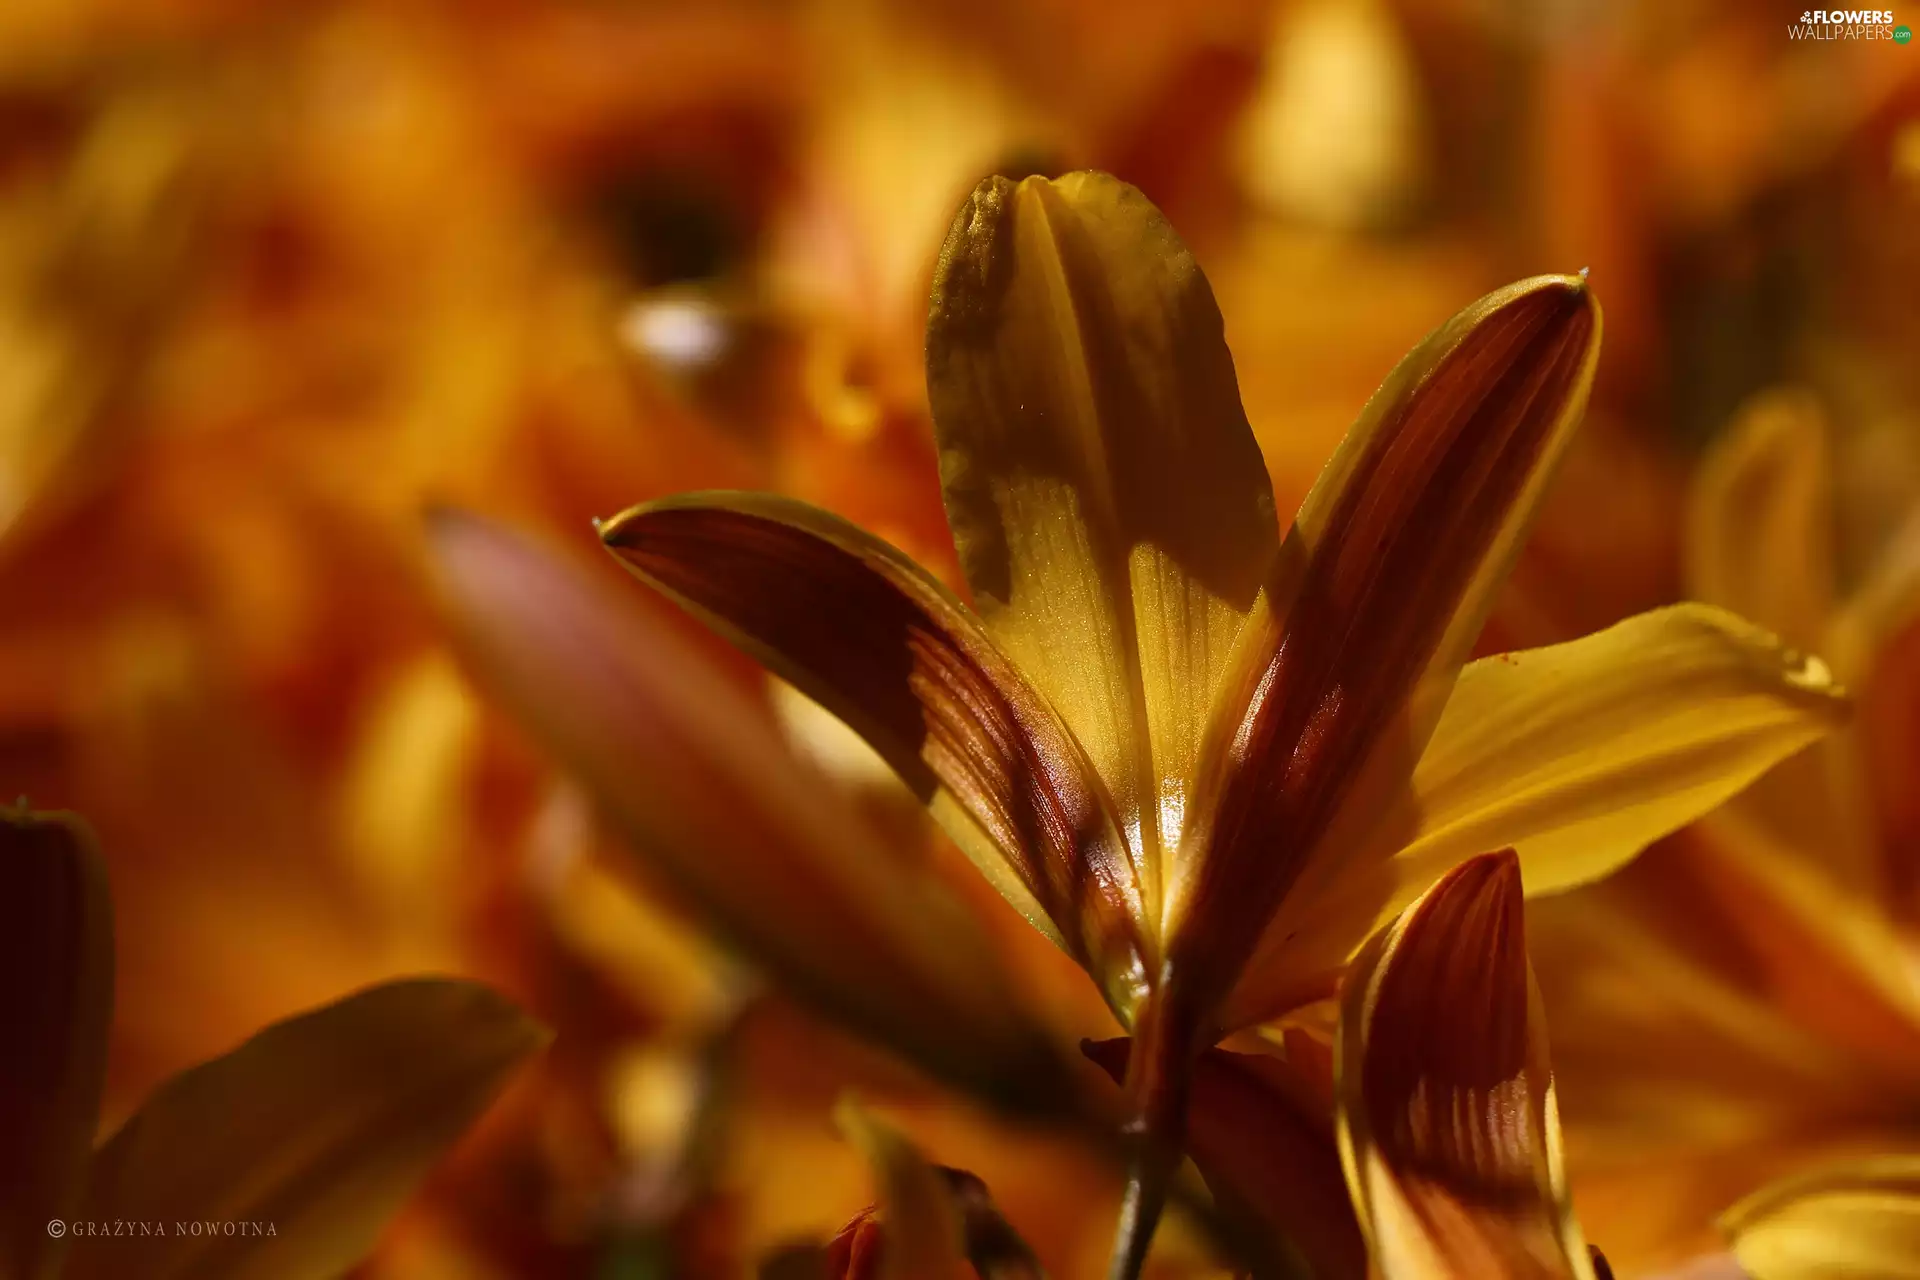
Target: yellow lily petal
(1444, 1095)
(1379, 592)
(703, 787)
(1108, 501)
(1578, 755)
(919, 1224)
(871, 636)
(1760, 524)
(319, 1126)
(56, 998)
(1850, 1223)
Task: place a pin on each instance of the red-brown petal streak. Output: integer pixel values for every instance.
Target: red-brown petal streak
(866, 633)
(1409, 533)
(1452, 1081)
(1447, 1037)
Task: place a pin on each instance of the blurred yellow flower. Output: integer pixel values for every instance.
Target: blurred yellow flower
(930, 1222)
(1741, 1005)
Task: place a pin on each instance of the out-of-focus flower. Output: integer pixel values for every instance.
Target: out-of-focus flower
(1335, 134)
(264, 342)
(1740, 1005)
(929, 1221)
(265, 288)
(1186, 752)
(288, 1154)
(1858, 1219)
(700, 780)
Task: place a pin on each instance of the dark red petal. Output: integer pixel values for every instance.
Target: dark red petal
(1383, 582)
(868, 634)
(1445, 1092)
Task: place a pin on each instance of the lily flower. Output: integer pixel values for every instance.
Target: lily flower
(1737, 1018)
(283, 1158)
(1207, 762)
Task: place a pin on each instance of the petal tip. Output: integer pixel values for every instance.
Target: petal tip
(622, 529)
(1810, 672)
(513, 1034)
(1579, 305)
(1489, 877)
(628, 530)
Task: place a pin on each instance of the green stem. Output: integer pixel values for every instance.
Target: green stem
(1159, 1075)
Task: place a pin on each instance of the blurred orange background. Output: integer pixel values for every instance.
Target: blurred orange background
(275, 279)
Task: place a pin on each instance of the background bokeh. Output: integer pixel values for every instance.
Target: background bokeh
(277, 278)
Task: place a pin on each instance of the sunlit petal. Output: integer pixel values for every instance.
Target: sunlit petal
(702, 786)
(1106, 495)
(56, 995)
(1578, 755)
(872, 637)
(318, 1127)
(1849, 1223)
(1379, 592)
(1445, 1096)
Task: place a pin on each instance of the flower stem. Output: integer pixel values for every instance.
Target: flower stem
(1159, 1075)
